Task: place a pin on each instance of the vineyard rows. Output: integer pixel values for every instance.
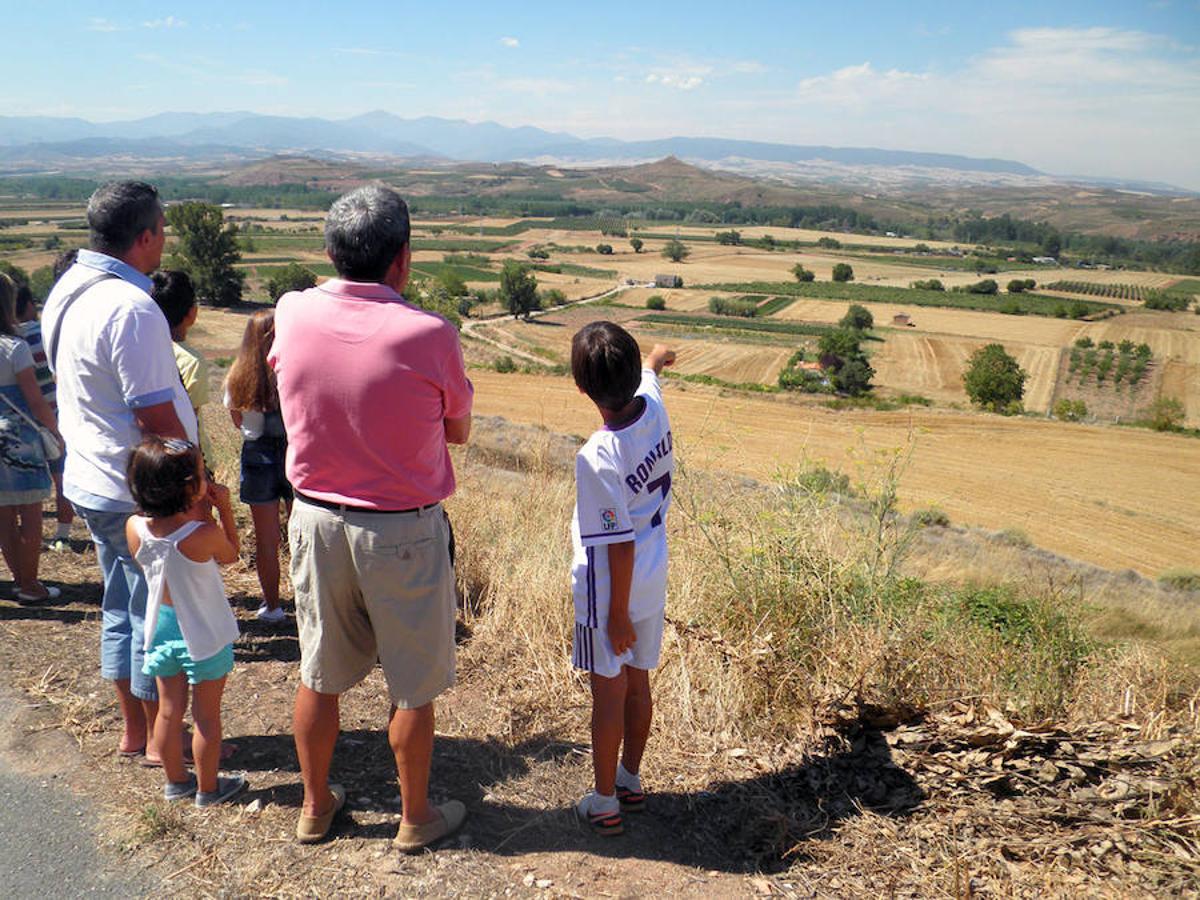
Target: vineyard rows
(1093, 289)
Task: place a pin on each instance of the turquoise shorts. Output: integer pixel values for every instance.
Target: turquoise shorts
(168, 655)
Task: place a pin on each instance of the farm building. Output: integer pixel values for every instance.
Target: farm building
(903, 319)
(1045, 260)
(668, 281)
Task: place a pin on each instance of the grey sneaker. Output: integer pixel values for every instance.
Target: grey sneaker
(180, 790)
(227, 788)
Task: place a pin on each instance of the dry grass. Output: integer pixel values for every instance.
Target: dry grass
(1118, 498)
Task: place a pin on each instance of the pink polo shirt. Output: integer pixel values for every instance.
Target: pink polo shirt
(365, 382)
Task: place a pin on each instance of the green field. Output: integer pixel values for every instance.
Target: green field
(1018, 304)
(735, 323)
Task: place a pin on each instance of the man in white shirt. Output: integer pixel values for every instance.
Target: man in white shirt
(110, 348)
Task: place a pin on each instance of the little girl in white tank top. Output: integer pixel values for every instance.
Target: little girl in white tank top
(190, 628)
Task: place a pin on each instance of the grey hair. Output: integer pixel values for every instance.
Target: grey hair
(365, 230)
(118, 212)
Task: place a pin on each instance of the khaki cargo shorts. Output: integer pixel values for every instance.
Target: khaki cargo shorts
(374, 587)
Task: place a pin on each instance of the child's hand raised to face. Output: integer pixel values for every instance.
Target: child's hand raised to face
(218, 495)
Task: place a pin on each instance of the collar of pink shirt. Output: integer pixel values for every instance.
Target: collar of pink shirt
(361, 290)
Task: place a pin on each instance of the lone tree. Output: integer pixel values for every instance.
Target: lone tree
(993, 379)
(518, 289)
(850, 371)
(207, 249)
(858, 318)
(636, 244)
(675, 250)
(292, 277)
(604, 249)
(843, 272)
(802, 274)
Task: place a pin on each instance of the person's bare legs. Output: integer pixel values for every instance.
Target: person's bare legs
(315, 723)
(10, 542)
(137, 734)
(168, 726)
(608, 728)
(410, 732)
(266, 549)
(206, 734)
(29, 546)
(639, 710)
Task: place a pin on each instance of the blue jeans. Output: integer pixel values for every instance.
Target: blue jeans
(123, 609)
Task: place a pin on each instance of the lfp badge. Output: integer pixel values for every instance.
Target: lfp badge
(608, 519)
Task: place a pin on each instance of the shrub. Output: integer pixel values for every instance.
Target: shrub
(553, 297)
(537, 253)
(732, 306)
(292, 277)
(802, 274)
(931, 517)
(604, 249)
(843, 272)
(829, 243)
(1180, 579)
(858, 318)
(993, 379)
(675, 250)
(1106, 345)
(987, 286)
(1016, 286)
(656, 301)
(929, 284)
(505, 364)
(729, 238)
(1166, 414)
(1070, 410)
(1014, 537)
(1079, 310)
(1084, 343)
(636, 244)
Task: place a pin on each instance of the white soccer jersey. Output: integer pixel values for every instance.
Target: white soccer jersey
(622, 492)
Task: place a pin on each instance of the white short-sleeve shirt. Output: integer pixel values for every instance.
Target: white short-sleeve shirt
(114, 356)
(622, 493)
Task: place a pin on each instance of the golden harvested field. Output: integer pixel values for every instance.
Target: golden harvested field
(1119, 498)
(932, 366)
(938, 320)
(729, 361)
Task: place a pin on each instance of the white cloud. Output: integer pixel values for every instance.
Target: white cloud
(168, 22)
(103, 25)
(673, 80)
(510, 42)
(747, 67)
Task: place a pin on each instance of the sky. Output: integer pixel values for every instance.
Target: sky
(1102, 88)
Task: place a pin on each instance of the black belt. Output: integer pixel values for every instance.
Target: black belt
(350, 507)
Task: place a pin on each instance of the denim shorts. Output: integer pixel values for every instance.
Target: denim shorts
(263, 479)
(123, 607)
(168, 654)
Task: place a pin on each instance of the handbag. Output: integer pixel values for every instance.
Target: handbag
(51, 448)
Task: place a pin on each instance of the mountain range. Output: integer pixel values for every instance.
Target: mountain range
(200, 135)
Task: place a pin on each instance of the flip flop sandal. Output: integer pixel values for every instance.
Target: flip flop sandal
(631, 801)
(132, 754)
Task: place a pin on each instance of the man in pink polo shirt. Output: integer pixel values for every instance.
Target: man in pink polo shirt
(372, 390)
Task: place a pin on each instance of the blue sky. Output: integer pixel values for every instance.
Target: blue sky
(1099, 88)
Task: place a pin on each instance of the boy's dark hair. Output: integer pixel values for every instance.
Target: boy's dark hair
(24, 301)
(174, 294)
(162, 475)
(606, 363)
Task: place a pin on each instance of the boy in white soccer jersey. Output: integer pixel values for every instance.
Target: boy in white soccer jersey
(619, 572)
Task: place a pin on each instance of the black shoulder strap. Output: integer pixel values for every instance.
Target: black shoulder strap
(58, 326)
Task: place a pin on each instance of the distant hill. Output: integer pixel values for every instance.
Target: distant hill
(193, 135)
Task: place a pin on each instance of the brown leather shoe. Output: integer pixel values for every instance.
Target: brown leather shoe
(312, 829)
(412, 838)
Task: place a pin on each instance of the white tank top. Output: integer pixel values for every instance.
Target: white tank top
(197, 592)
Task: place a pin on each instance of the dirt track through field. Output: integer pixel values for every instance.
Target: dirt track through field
(1119, 498)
